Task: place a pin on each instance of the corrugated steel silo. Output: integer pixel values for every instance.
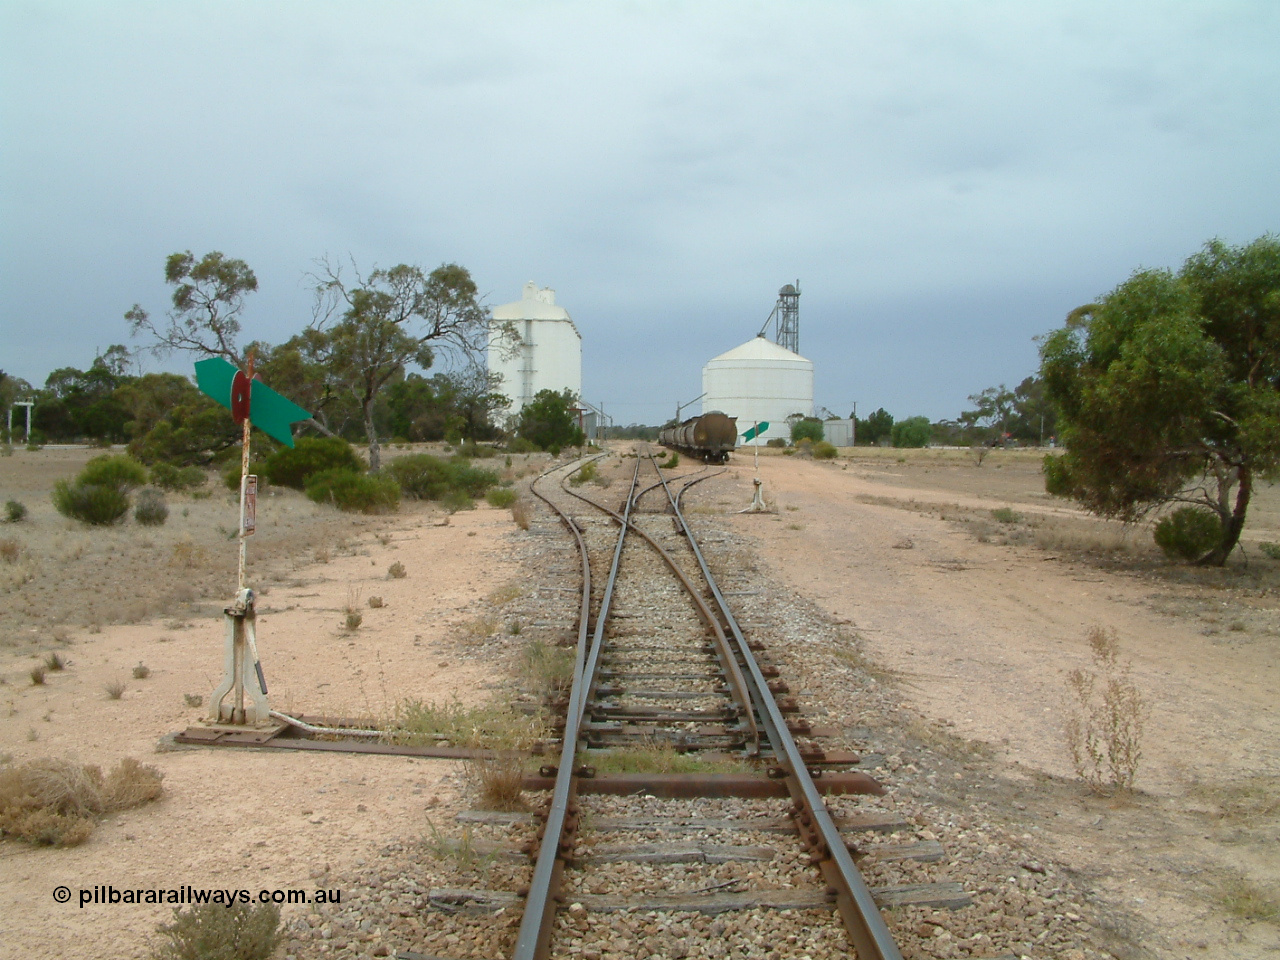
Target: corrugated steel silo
(759, 382)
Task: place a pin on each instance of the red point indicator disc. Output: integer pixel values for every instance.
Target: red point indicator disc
(240, 387)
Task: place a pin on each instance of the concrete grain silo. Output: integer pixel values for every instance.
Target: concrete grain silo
(759, 381)
(534, 346)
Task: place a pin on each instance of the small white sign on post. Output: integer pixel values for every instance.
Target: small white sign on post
(249, 516)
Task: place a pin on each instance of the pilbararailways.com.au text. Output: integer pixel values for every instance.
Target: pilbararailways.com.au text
(178, 896)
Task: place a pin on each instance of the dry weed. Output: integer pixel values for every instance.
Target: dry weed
(10, 550)
(396, 571)
(189, 555)
(522, 514)
(499, 782)
(352, 610)
(1105, 718)
(216, 930)
(115, 689)
(54, 802)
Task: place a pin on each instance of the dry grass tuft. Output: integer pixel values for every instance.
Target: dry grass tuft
(661, 756)
(54, 663)
(375, 602)
(115, 689)
(522, 514)
(549, 668)
(1245, 900)
(193, 699)
(352, 610)
(141, 672)
(37, 676)
(54, 802)
(1105, 718)
(10, 550)
(396, 571)
(496, 727)
(189, 555)
(499, 783)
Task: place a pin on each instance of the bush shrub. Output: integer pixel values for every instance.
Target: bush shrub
(824, 451)
(1188, 533)
(309, 456)
(231, 474)
(119, 470)
(218, 931)
(168, 476)
(425, 477)
(98, 506)
(521, 445)
(354, 491)
(15, 512)
(775, 442)
(456, 500)
(806, 430)
(151, 510)
(501, 497)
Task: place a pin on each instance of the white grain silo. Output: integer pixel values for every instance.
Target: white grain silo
(759, 382)
(534, 346)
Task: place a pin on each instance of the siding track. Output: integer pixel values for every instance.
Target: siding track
(663, 668)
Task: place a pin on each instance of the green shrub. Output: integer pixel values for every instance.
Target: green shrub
(501, 497)
(151, 510)
(671, 462)
(231, 474)
(1188, 533)
(587, 473)
(824, 451)
(806, 430)
(775, 442)
(912, 432)
(15, 512)
(119, 470)
(473, 481)
(168, 476)
(425, 477)
(456, 500)
(422, 476)
(350, 490)
(217, 931)
(93, 504)
(521, 445)
(309, 456)
(1270, 549)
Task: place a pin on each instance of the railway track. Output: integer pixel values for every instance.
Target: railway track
(663, 673)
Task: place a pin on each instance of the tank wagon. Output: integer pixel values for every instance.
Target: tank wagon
(709, 437)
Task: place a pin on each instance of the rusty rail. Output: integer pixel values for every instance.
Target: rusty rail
(533, 942)
(862, 919)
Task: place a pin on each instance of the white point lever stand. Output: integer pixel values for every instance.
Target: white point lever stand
(242, 671)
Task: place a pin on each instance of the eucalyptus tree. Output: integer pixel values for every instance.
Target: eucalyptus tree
(375, 327)
(1168, 389)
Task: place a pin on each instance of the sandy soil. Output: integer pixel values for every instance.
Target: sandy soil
(978, 636)
(972, 621)
(232, 819)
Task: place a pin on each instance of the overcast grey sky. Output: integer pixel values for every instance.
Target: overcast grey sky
(946, 180)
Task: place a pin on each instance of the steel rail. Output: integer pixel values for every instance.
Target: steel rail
(533, 942)
(862, 919)
(724, 653)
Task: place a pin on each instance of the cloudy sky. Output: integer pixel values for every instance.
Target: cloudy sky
(946, 180)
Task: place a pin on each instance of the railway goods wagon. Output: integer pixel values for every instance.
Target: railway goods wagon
(709, 437)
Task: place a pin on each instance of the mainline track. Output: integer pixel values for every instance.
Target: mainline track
(755, 719)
